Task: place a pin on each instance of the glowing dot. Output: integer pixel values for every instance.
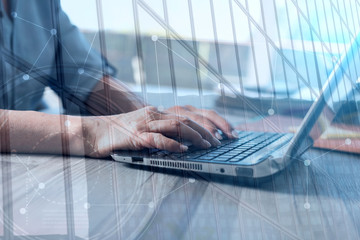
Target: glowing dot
(191, 180)
(161, 108)
(22, 211)
(81, 71)
(307, 205)
(154, 38)
(151, 205)
(348, 141)
(53, 31)
(271, 111)
(358, 80)
(220, 86)
(87, 205)
(41, 185)
(26, 77)
(14, 14)
(307, 163)
(67, 123)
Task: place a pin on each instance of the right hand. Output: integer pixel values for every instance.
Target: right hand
(143, 128)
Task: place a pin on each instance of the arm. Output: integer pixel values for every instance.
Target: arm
(110, 96)
(35, 132)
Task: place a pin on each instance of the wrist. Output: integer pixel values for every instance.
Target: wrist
(76, 135)
(92, 131)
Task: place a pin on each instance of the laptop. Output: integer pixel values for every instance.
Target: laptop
(255, 154)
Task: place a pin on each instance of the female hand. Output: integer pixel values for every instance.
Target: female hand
(147, 128)
(209, 119)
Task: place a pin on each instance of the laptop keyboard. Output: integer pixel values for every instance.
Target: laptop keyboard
(231, 151)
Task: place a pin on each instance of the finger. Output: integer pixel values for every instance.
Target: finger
(206, 123)
(217, 120)
(173, 128)
(192, 112)
(201, 130)
(159, 141)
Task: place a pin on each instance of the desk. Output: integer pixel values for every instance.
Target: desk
(108, 200)
(75, 198)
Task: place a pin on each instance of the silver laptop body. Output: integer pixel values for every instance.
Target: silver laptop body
(269, 152)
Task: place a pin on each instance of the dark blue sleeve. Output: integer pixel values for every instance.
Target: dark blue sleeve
(81, 67)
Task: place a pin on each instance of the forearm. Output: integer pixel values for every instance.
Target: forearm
(111, 97)
(35, 132)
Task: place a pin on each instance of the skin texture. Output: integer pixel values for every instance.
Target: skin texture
(123, 122)
(144, 128)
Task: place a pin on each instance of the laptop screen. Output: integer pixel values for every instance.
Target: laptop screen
(332, 118)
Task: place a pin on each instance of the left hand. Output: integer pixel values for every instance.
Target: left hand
(208, 119)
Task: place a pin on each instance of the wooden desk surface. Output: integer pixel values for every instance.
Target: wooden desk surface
(102, 199)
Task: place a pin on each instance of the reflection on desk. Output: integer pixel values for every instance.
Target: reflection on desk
(72, 198)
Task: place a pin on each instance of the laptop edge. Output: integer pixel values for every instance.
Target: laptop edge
(273, 157)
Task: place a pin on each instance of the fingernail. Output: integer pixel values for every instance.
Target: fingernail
(217, 142)
(235, 134)
(218, 136)
(206, 143)
(183, 148)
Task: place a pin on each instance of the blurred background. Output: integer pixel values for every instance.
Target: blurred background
(243, 40)
(267, 51)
